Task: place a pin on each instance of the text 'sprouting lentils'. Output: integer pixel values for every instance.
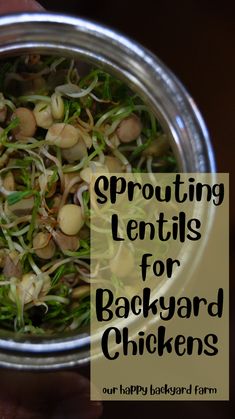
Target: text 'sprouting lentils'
(57, 126)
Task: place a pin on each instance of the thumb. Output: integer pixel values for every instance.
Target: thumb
(11, 6)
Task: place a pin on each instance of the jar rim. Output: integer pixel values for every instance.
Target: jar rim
(143, 70)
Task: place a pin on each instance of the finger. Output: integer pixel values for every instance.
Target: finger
(11, 6)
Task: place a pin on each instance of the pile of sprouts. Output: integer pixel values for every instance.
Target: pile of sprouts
(59, 123)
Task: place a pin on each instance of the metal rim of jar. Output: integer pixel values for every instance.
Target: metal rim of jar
(158, 87)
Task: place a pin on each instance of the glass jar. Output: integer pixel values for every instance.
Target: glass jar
(160, 90)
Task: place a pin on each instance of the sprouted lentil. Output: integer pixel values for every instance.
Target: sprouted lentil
(56, 128)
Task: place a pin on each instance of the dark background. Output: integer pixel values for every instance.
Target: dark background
(196, 39)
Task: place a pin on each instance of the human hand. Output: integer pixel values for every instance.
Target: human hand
(11, 6)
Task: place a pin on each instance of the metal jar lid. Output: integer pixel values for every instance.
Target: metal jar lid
(67, 36)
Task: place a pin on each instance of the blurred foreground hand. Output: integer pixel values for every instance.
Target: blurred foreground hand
(10, 6)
